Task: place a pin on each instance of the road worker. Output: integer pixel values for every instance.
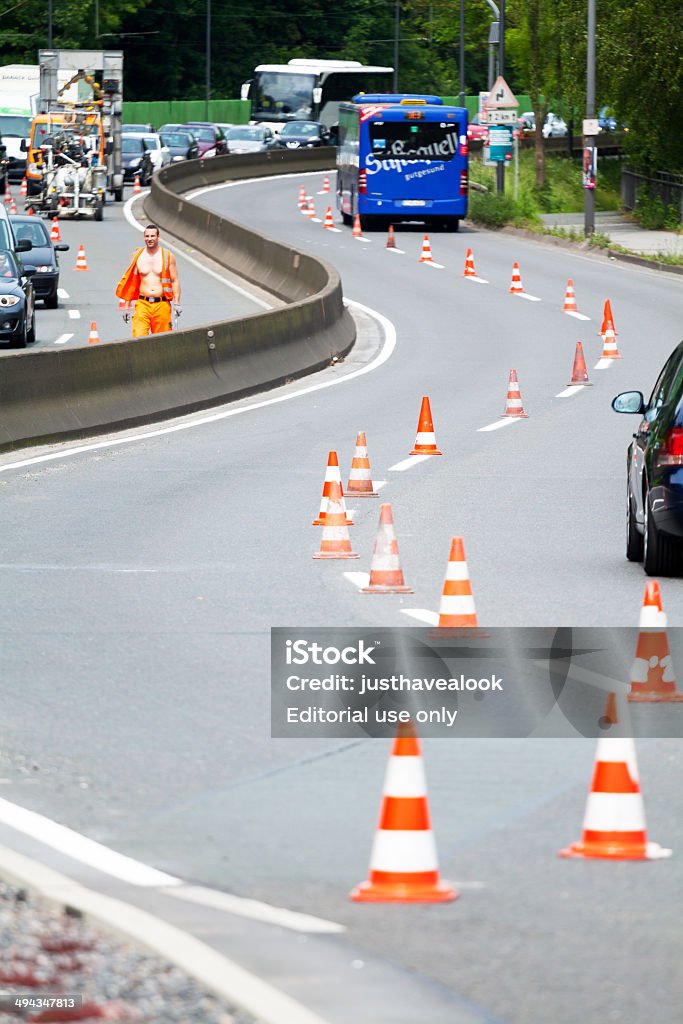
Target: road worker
(151, 281)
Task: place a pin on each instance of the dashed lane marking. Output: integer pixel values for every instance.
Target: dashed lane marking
(408, 463)
(422, 615)
(500, 423)
(399, 252)
(603, 364)
(63, 293)
(577, 316)
(476, 280)
(525, 295)
(74, 314)
(359, 579)
(570, 390)
(63, 338)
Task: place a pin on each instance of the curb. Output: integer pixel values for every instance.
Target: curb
(640, 261)
(222, 976)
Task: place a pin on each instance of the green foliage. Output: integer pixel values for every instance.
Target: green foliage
(491, 210)
(653, 213)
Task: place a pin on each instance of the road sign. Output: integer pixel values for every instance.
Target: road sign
(500, 143)
(501, 116)
(501, 95)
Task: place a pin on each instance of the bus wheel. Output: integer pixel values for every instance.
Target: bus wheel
(451, 224)
(369, 223)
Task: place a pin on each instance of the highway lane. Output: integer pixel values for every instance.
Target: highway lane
(142, 581)
(88, 296)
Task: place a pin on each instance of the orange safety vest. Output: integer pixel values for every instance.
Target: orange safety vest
(128, 287)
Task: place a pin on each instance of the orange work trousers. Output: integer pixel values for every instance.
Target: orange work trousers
(151, 318)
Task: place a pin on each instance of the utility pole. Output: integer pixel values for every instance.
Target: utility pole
(462, 53)
(589, 149)
(500, 166)
(208, 57)
(397, 35)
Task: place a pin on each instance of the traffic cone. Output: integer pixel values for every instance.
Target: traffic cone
(332, 475)
(457, 610)
(403, 863)
(326, 187)
(81, 262)
(136, 186)
(360, 478)
(425, 442)
(609, 343)
(469, 270)
(614, 822)
(607, 318)
(426, 256)
(13, 206)
(335, 542)
(23, 191)
(516, 283)
(579, 371)
(610, 717)
(329, 219)
(310, 212)
(391, 241)
(302, 198)
(93, 337)
(55, 235)
(569, 298)
(357, 229)
(386, 575)
(513, 405)
(652, 674)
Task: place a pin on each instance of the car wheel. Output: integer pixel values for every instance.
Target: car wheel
(634, 539)
(31, 333)
(99, 211)
(52, 301)
(657, 548)
(23, 337)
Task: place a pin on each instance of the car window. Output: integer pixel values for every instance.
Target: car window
(665, 390)
(8, 266)
(151, 142)
(35, 233)
(132, 145)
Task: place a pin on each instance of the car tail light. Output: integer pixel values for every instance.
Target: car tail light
(363, 182)
(671, 451)
(463, 183)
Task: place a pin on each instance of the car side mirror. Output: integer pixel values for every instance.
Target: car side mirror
(62, 247)
(24, 245)
(629, 402)
(332, 137)
(23, 146)
(29, 271)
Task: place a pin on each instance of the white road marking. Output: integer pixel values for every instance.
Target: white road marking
(190, 424)
(476, 280)
(337, 231)
(378, 484)
(63, 293)
(390, 248)
(408, 463)
(74, 314)
(603, 364)
(525, 295)
(577, 316)
(255, 910)
(431, 263)
(422, 615)
(63, 338)
(80, 848)
(361, 238)
(570, 390)
(359, 579)
(500, 423)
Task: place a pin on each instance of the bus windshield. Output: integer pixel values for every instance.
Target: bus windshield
(282, 96)
(413, 141)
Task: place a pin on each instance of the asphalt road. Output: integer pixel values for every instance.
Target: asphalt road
(141, 581)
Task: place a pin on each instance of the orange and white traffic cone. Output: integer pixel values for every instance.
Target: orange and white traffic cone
(425, 442)
(391, 241)
(310, 211)
(426, 256)
(329, 219)
(607, 318)
(404, 864)
(386, 575)
(326, 187)
(13, 206)
(569, 298)
(332, 475)
(357, 229)
(469, 270)
(614, 822)
(23, 191)
(136, 186)
(516, 287)
(652, 674)
(303, 198)
(456, 610)
(55, 235)
(609, 343)
(513, 404)
(30, 212)
(360, 478)
(81, 262)
(579, 371)
(335, 542)
(93, 337)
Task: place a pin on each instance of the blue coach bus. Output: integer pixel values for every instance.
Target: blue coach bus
(402, 158)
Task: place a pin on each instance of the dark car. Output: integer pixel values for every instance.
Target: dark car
(43, 256)
(181, 145)
(654, 467)
(17, 303)
(137, 159)
(209, 136)
(302, 135)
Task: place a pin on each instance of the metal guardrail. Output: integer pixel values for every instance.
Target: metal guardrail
(669, 188)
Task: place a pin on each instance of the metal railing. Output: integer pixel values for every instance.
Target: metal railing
(668, 187)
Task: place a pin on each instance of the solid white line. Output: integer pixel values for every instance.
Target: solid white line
(80, 848)
(422, 615)
(74, 314)
(195, 263)
(525, 295)
(63, 338)
(577, 316)
(570, 390)
(255, 910)
(359, 579)
(408, 463)
(500, 423)
(379, 360)
(63, 293)
(603, 364)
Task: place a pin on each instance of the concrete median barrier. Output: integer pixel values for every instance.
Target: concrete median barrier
(54, 395)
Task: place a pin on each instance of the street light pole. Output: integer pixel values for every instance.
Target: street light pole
(397, 35)
(462, 53)
(208, 56)
(500, 166)
(589, 140)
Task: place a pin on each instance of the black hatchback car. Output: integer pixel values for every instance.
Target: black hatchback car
(302, 135)
(654, 466)
(136, 159)
(43, 256)
(17, 304)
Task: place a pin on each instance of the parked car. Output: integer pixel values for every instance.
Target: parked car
(210, 138)
(250, 138)
(172, 127)
(302, 135)
(17, 303)
(136, 159)
(477, 129)
(181, 145)
(654, 485)
(159, 153)
(42, 256)
(527, 123)
(137, 129)
(554, 127)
